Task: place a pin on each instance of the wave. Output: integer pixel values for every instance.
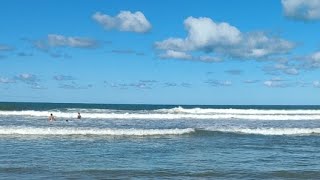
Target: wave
(44, 131)
(268, 131)
(174, 113)
(180, 110)
(91, 131)
(151, 115)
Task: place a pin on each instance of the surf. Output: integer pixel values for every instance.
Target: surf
(172, 114)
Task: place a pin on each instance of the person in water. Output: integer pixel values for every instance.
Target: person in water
(79, 116)
(51, 117)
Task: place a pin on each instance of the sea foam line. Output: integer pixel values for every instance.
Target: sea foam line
(181, 110)
(91, 131)
(269, 131)
(162, 116)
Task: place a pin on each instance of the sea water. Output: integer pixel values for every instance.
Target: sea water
(158, 142)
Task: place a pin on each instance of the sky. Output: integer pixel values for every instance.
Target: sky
(210, 52)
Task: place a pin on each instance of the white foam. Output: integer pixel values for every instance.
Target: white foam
(177, 113)
(91, 131)
(180, 110)
(269, 131)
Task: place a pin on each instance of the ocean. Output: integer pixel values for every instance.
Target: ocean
(158, 142)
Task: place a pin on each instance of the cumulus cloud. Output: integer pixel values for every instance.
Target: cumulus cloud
(124, 21)
(203, 33)
(207, 36)
(302, 9)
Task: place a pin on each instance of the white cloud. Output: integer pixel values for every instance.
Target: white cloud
(203, 33)
(56, 40)
(260, 45)
(276, 82)
(206, 36)
(175, 55)
(124, 21)
(302, 9)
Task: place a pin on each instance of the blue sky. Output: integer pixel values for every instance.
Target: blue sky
(160, 52)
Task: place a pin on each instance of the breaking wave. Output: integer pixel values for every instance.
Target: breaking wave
(91, 131)
(180, 110)
(44, 131)
(175, 113)
(269, 131)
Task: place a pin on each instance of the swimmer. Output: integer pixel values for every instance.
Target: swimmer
(51, 118)
(79, 116)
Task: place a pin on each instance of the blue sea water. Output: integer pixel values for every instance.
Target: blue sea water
(158, 142)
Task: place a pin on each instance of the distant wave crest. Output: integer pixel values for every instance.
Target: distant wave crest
(175, 113)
